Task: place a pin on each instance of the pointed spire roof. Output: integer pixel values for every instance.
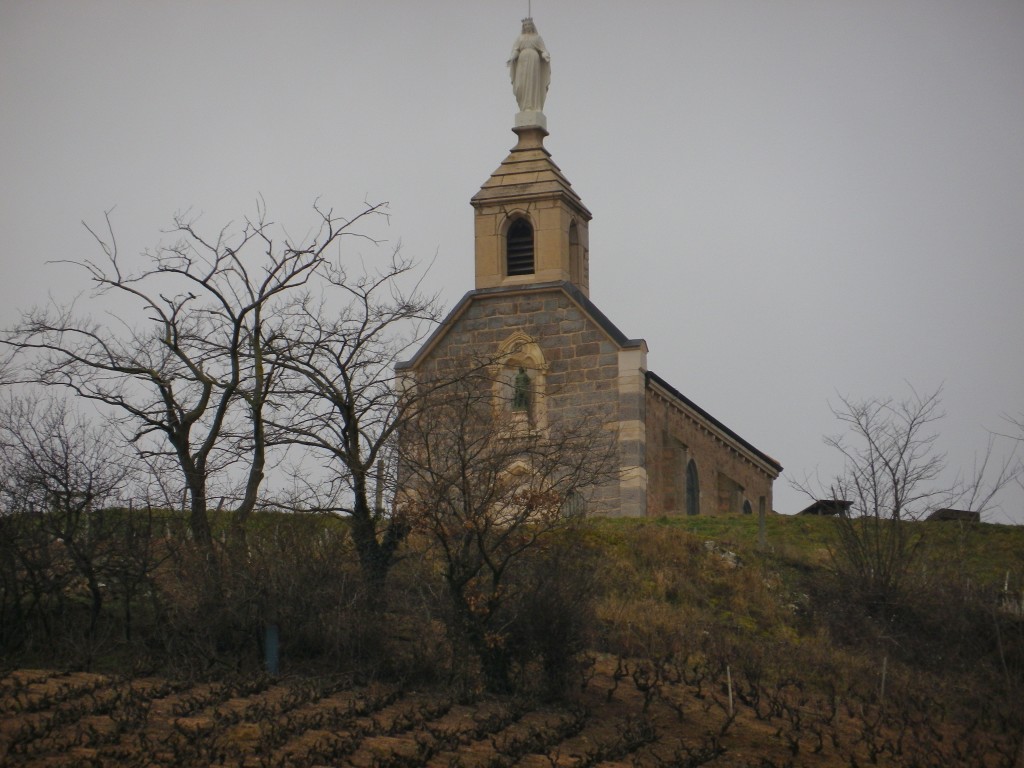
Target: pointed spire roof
(528, 173)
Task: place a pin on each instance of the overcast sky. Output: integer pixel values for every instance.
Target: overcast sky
(792, 199)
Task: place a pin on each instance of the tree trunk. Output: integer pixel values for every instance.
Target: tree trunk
(374, 562)
(95, 606)
(199, 519)
(376, 551)
(494, 657)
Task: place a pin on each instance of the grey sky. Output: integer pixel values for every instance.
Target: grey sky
(791, 198)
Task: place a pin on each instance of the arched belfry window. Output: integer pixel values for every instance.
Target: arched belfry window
(519, 248)
(692, 489)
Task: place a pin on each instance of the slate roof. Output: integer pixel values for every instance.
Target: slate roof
(655, 378)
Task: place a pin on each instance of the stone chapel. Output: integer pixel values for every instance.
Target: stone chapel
(531, 311)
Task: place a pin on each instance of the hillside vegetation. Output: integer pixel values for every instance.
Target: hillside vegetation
(650, 642)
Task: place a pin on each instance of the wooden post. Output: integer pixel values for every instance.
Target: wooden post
(728, 679)
(881, 691)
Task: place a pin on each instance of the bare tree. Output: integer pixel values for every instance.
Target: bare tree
(340, 398)
(57, 472)
(1018, 477)
(993, 470)
(488, 492)
(187, 376)
(893, 475)
(1016, 435)
(890, 467)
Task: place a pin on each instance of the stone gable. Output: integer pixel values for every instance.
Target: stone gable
(578, 375)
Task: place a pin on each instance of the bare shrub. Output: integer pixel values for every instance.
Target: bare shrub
(551, 617)
(489, 497)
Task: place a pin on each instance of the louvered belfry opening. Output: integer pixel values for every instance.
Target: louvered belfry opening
(520, 248)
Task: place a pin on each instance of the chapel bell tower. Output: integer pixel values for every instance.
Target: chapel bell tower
(531, 226)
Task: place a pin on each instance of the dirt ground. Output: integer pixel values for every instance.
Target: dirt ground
(628, 713)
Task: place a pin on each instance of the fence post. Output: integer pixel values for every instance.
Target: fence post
(271, 649)
(728, 679)
(881, 691)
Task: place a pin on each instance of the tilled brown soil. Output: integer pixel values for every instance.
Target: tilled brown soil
(628, 714)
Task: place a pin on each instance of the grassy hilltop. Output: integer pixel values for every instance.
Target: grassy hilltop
(685, 644)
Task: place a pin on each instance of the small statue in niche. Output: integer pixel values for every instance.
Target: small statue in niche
(521, 391)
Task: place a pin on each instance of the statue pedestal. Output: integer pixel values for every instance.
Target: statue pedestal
(519, 424)
(531, 118)
(530, 137)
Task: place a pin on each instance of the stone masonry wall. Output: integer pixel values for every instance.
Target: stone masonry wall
(727, 475)
(581, 376)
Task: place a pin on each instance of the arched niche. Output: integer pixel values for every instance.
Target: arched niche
(521, 352)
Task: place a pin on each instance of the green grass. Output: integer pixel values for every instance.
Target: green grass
(985, 552)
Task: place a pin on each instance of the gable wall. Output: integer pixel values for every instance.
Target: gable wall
(727, 476)
(582, 376)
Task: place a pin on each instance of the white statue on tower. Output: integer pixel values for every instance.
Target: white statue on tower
(530, 68)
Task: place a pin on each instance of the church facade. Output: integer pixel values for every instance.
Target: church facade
(531, 316)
